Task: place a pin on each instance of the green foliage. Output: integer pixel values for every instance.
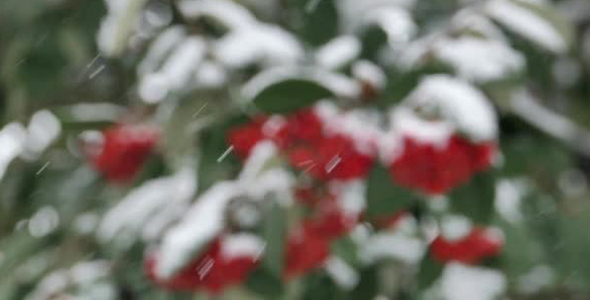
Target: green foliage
(289, 95)
(384, 197)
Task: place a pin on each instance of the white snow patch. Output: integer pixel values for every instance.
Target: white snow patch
(397, 245)
(206, 219)
(338, 52)
(340, 85)
(161, 201)
(267, 44)
(509, 196)
(118, 25)
(12, 142)
(199, 226)
(231, 14)
(44, 128)
(160, 49)
(405, 123)
(241, 245)
(527, 23)
(461, 282)
(351, 196)
(368, 72)
(479, 60)
(360, 125)
(210, 74)
(458, 102)
(455, 227)
(343, 274)
(472, 21)
(396, 22)
(176, 71)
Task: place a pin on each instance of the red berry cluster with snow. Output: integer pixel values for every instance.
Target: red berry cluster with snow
(123, 150)
(477, 245)
(436, 139)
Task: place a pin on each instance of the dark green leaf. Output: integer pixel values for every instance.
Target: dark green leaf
(346, 249)
(367, 287)
(429, 272)
(290, 95)
(264, 283)
(384, 197)
(402, 82)
(320, 287)
(320, 21)
(475, 199)
(274, 232)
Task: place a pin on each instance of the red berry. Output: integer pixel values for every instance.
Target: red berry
(330, 158)
(471, 249)
(211, 271)
(435, 171)
(306, 251)
(331, 221)
(124, 150)
(245, 137)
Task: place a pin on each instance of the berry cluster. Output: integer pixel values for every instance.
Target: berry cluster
(124, 150)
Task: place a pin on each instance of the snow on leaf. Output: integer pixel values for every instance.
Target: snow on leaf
(360, 125)
(229, 13)
(343, 274)
(241, 244)
(455, 227)
(509, 196)
(402, 247)
(206, 219)
(461, 282)
(397, 24)
(338, 52)
(12, 141)
(84, 280)
(338, 84)
(118, 25)
(460, 103)
(351, 195)
(470, 21)
(368, 72)
(160, 48)
(261, 43)
(479, 60)
(523, 20)
(44, 128)
(176, 71)
(148, 209)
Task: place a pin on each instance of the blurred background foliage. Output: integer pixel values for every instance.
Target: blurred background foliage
(48, 60)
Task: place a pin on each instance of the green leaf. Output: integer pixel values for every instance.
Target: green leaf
(476, 198)
(320, 21)
(274, 232)
(263, 282)
(290, 95)
(384, 197)
(319, 286)
(401, 82)
(346, 249)
(368, 286)
(429, 271)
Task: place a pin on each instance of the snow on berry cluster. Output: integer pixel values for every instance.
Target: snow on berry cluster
(442, 134)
